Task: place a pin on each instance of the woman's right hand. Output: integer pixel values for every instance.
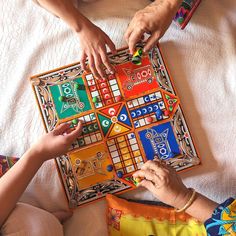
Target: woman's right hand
(93, 42)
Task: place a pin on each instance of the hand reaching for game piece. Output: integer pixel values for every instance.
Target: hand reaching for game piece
(57, 142)
(163, 182)
(154, 20)
(93, 43)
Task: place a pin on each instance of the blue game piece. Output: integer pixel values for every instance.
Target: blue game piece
(159, 113)
(119, 174)
(109, 168)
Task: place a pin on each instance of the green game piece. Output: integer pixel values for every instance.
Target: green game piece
(75, 121)
(181, 20)
(76, 86)
(136, 60)
(95, 99)
(62, 98)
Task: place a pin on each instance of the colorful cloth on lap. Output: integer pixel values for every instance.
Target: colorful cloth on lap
(6, 163)
(223, 221)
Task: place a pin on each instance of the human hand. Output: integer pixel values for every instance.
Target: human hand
(154, 20)
(93, 43)
(57, 142)
(164, 183)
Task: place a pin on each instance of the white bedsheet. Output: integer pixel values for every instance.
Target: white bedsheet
(201, 59)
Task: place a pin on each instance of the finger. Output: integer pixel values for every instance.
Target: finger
(99, 66)
(110, 44)
(148, 185)
(153, 39)
(93, 67)
(128, 33)
(61, 129)
(75, 133)
(153, 165)
(107, 63)
(82, 60)
(134, 38)
(149, 175)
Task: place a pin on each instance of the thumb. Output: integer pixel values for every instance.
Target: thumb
(61, 129)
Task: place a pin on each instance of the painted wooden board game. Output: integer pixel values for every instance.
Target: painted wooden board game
(128, 118)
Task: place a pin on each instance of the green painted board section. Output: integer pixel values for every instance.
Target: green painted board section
(105, 123)
(77, 100)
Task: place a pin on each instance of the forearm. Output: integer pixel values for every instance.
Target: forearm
(201, 208)
(15, 181)
(65, 10)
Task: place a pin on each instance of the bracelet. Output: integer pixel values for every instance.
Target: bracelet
(189, 202)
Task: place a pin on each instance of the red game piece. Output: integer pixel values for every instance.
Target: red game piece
(118, 98)
(149, 119)
(166, 113)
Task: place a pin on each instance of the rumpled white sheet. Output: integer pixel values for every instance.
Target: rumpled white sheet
(201, 59)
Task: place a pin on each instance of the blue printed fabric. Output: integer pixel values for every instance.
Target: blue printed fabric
(223, 221)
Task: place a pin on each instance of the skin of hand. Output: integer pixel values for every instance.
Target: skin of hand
(167, 186)
(164, 183)
(93, 40)
(154, 20)
(16, 180)
(57, 142)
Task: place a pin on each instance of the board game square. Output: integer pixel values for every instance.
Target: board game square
(138, 159)
(152, 97)
(116, 160)
(135, 102)
(122, 144)
(92, 116)
(130, 169)
(114, 154)
(112, 82)
(112, 148)
(126, 156)
(116, 93)
(161, 105)
(118, 165)
(114, 87)
(120, 139)
(91, 82)
(142, 122)
(87, 118)
(132, 141)
(98, 105)
(131, 135)
(99, 136)
(139, 165)
(136, 124)
(141, 101)
(89, 77)
(158, 95)
(134, 147)
(128, 162)
(136, 153)
(124, 150)
(94, 94)
(93, 138)
(110, 142)
(87, 140)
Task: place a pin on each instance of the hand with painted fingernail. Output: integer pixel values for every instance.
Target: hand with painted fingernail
(153, 20)
(163, 182)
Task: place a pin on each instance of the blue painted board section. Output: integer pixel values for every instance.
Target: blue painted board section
(123, 117)
(159, 141)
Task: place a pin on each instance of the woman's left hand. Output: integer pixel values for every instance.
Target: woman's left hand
(154, 20)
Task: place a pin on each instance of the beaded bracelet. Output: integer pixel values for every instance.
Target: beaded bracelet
(189, 202)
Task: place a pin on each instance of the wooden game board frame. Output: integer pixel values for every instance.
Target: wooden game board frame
(189, 159)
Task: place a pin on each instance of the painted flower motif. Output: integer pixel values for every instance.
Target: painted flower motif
(47, 105)
(114, 218)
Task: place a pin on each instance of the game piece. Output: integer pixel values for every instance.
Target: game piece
(75, 121)
(125, 124)
(119, 174)
(149, 119)
(95, 99)
(62, 98)
(166, 113)
(109, 168)
(118, 98)
(138, 180)
(137, 56)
